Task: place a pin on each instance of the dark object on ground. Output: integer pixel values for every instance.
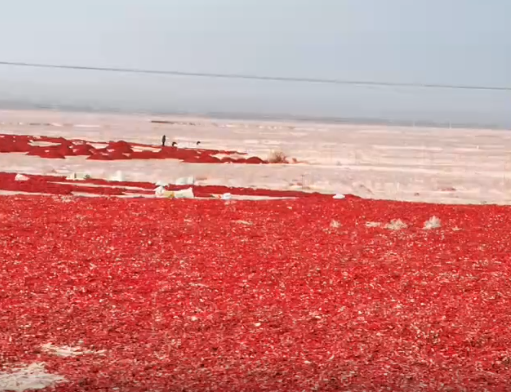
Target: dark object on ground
(174, 144)
(198, 143)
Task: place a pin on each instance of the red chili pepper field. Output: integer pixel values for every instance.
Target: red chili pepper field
(297, 295)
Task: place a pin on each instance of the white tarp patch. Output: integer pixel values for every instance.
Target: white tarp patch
(32, 377)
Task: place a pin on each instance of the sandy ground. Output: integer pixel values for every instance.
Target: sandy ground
(381, 162)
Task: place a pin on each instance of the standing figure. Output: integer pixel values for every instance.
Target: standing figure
(163, 140)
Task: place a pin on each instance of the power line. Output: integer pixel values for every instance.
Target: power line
(258, 77)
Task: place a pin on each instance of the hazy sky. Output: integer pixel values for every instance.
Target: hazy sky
(423, 41)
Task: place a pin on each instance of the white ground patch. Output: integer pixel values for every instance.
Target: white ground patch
(86, 126)
(68, 351)
(42, 144)
(334, 224)
(244, 222)
(145, 148)
(135, 188)
(126, 195)
(432, 223)
(232, 156)
(98, 145)
(32, 377)
(252, 197)
(373, 161)
(85, 194)
(12, 193)
(396, 224)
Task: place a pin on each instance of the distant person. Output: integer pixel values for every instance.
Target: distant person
(198, 143)
(174, 144)
(163, 140)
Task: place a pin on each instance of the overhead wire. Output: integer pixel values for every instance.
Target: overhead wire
(259, 77)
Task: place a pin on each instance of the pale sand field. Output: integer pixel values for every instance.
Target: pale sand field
(380, 162)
